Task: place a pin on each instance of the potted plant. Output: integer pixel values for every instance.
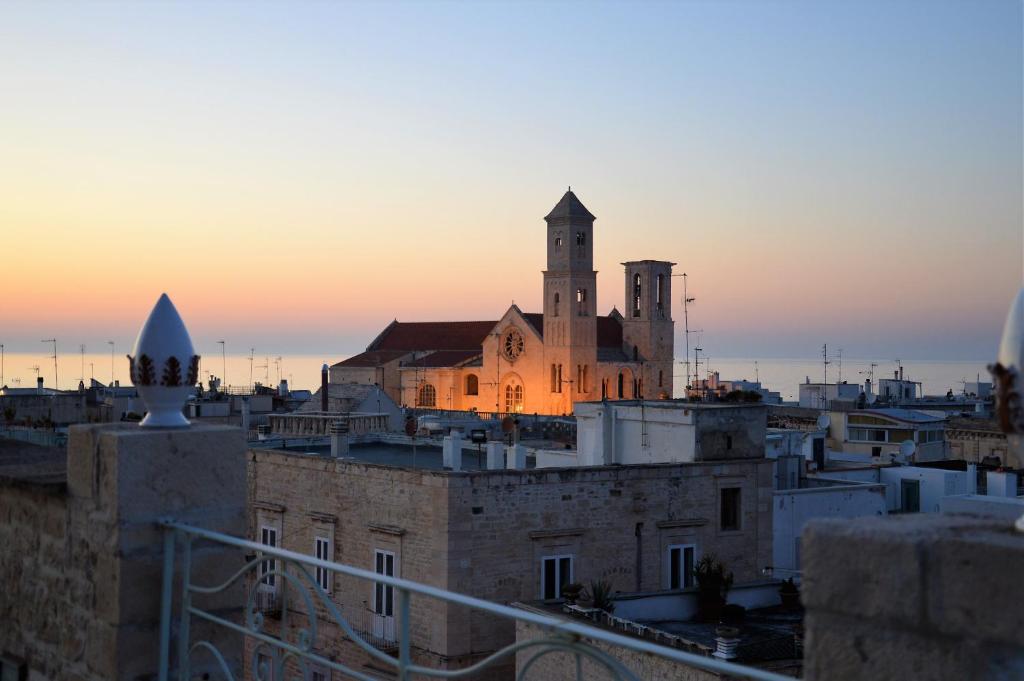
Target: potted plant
(601, 595)
(571, 592)
(713, 584)
(790, 594)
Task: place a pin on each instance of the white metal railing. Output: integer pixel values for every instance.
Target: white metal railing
(293, 572)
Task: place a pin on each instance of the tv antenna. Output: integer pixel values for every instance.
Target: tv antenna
(82, 350)
(687, 299)
(56, 383)
(252, 352)
(824, 360)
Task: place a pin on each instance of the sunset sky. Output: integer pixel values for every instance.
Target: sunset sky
(295, 176)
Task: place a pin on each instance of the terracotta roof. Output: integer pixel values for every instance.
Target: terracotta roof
(568, 208)
(444, 358)
(609, 332)
(432, 336)
(462, 340)
(372, 358)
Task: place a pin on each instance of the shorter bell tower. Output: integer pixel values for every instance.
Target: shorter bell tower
(648, 333)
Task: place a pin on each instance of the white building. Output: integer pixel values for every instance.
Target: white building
(879, 433)
(667, 431)
(824, 395)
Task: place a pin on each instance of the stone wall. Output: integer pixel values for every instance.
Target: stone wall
(918, 596)
(48, 593)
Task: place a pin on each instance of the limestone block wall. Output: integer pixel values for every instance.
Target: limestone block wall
(916, 596)
(47, 594)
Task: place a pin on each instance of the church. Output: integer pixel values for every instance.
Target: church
(529, 362)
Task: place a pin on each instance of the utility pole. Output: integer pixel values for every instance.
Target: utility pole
(111, 344)
(252, 352)
(1, 365)
(82, 348)
(840, 379)
(224, 360)
(686, 327)
(56, 382)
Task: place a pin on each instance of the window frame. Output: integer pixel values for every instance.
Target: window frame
(681, 548)
(558, 558)
(384, 594)
(270, 564)
(426, 389)
(722, 493)
(323, 549)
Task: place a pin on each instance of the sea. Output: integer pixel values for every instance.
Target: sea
(303, 371)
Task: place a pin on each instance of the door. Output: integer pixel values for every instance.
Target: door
(384, 596)
(910, 494)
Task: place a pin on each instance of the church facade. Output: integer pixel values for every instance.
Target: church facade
(536, 362)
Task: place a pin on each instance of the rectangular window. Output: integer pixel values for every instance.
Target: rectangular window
(268, 537)
(730, 511)
(681, 559)
(318, 674)
(555, 573)
(323, 552)
(384, 594)
(558, 384)
(581, 301)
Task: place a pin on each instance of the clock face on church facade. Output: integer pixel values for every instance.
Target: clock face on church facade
(512, 345)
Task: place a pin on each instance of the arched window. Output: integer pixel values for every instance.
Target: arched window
(636, 354)
(636, 294)
(604, 389)
(581, 302)
(472, 385)
(581, 239)
(640, 388)
(622, 379)
(427, 396)
(661, 376)
(514, 398)
(554, 308)
(586, 378)
(558, 240)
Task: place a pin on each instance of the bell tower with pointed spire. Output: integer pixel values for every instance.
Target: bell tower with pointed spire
(570, 305)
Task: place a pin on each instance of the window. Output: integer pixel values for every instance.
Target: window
(659, 295)
(319, 674)
(554, 307)
(681, 559)
(322, 545)
(622, 380)
(581, 239)
(427, 396)
(730, 512)
(604, 389)
(728, 442)
(555, 572)
(384, 594)
(586, 378)
(581, 302)
(661, 377)
(268, 537)
(472, 385)
(558, 240)
(558, 385)
(636, 295)
(514, 399)
(554, 378)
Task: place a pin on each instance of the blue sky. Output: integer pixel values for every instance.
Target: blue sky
(846, 172)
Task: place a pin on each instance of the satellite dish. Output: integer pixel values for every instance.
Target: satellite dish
(907, 448)
(872, 398)
(824, 421)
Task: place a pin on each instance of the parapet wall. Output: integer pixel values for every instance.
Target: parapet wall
(922, 596)
(46, 585)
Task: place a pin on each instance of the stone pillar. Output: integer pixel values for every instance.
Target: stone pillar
(339, 439)
(122, 480)
(917, 596)
(451, 451)
(515, 457)
(495, 455)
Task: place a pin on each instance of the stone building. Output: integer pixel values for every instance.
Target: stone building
(536, 362)
(502, 535)
(979, 440)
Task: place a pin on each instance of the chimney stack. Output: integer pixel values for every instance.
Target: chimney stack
(39, 382)
(323, 388)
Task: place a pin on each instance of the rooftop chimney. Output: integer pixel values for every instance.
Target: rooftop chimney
(323, 388)
(39, 382)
